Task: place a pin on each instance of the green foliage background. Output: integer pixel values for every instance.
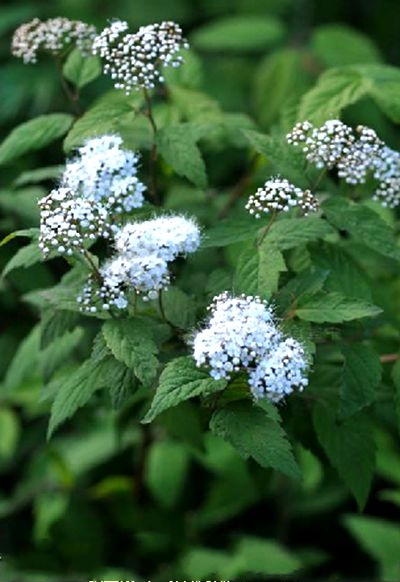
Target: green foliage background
(110, 497)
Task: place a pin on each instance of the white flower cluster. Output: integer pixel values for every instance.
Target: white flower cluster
(134, 60)
(387, 171)
(144, 250)
(96, 188)
(67, 220)
(324, 146)
(52, 35)
(356, 155)
(279, 195)
(242, 334)
(104, 172)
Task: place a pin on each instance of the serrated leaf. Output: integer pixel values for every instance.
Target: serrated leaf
(258, 269)
(166, 470)
(231, 231)
(179, 381)
(271, 265)
(75, 391)
(131, 342)
(177, 145)
(380, 539)
(362, 373)
(239, 33)
(280, 78)
(337, 45)
(335, 89)
(81, 69)
(334, 308)
(255, 434)
(54, 324)
(24, 257)
(363, 224)
(284, 158)
(179, 308)
(34, 135)
(25, 360)
(245, 279)
(343, 275)
(112, 112)
(288, 233)
(55, 354)
(350, 447)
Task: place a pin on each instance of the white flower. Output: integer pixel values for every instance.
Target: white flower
(67, 221)
(140, 264)
(134, 60)
(279, 195)
(166, 236)
(104, 172)
(276, 375)
(242, 334)
(53, 35)
(361, 156)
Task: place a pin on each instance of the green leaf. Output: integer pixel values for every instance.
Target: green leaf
(256, 434)
(81, 69)
(110, 114)
(58, 352)
(177, 145)
(266, 556)
(9, 433)
(24, 257)
(201, 563)
(336, 45)
(179, 381)
(350, 447)
(280, 78)
(166, 471)
(396, 382)
(335, 89)
(75, 391)
(131, 342)
(363, 224)
(362, 373)
(25, 360)
(34, 135)
(380, 539)
(239, 33)
(39, 175)
(245, 278)
(288, 233)
(271, 265)
(258, 269)
(32, 233)
(334, 308)
(54, 324)
(231, 231)
(284, 158)
(343, 275)
(179, 308)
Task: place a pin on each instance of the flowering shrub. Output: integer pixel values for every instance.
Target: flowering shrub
(216, 289)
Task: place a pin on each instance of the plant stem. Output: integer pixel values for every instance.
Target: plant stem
(265, 230)
(93, 267)
(153, 151)
(161, 306)
(240, 187)
(72, 96)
